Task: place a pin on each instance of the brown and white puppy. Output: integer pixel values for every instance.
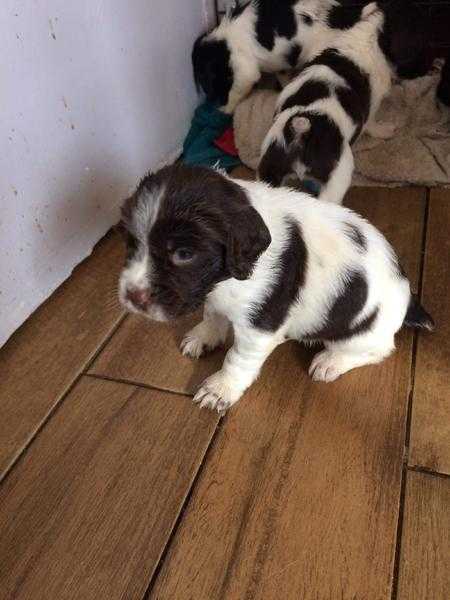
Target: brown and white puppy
(274, 264)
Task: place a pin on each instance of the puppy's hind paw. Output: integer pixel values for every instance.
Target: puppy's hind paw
(327, 366)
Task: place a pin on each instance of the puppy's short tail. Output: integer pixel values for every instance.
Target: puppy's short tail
(417, 316)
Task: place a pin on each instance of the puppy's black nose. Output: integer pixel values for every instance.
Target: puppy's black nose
(140, 298)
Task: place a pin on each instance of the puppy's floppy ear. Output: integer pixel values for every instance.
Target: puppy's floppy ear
(248, 237)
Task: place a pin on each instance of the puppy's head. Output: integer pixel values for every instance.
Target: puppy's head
(187, 228)
(212, 68)
(283, 152)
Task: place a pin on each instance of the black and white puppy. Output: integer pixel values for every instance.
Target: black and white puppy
(274, 264)
(325, 108)
(265, 36)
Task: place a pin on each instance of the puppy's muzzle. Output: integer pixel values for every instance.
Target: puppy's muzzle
(139, 298)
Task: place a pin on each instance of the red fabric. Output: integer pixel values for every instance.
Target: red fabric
(226, 142)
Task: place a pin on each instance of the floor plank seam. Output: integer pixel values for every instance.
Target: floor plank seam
(401, 508)
(427, 471)
(38, 429)
(59, 402)
(184, 507)
(398, 542)
(138, 384)
(104, 343)
(416, 333)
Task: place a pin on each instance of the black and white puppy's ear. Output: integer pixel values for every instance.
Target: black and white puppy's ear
(248, 238)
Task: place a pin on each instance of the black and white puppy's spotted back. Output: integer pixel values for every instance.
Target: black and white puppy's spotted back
(274, 264)
(326, 107)
(264, 36)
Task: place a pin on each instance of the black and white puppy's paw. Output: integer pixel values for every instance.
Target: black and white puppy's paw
(206, 336)
(201, 339)
(217, 392)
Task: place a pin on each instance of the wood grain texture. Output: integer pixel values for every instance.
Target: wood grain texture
(425, 557)
(299, 496)
(430, 426)
(43, 358)
(145, 352)
(88, 510)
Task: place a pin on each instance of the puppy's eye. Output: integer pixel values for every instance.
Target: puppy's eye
(307, 19)
(182, 256)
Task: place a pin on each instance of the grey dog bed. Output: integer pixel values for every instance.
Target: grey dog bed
(419, 152)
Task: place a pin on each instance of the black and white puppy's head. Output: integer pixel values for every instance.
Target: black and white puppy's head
(187, 229)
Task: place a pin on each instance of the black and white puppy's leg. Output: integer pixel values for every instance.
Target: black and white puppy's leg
(241, 367)
(246, 76)
(340, 357)
(207, 335)
(340, 178)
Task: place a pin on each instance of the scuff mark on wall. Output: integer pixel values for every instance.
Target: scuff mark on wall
(52, 30)
(117, 96)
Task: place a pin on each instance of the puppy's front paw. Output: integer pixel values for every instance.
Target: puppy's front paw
(217, 393)
(203, 338)
(192, 346)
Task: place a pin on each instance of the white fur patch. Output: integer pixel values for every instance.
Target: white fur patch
(146, 211)
(137, 275)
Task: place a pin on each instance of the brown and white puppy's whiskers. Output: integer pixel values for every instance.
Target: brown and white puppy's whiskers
(274, 264)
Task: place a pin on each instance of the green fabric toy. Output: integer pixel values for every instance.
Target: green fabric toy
(208, 124)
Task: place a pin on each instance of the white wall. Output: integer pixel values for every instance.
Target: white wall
(93, 94)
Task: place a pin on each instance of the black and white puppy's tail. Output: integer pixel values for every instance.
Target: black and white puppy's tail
(417, 317)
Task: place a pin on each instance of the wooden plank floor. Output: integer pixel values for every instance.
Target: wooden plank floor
(116, 486)
(425, 556)
(430, 433)
(88, 511)
(42, 360)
